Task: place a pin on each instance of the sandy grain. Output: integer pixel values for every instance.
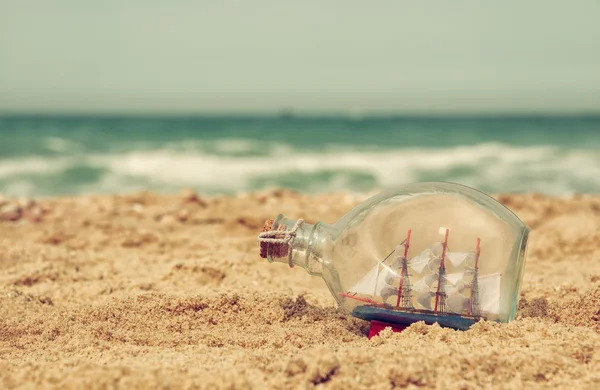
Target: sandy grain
(144, 291)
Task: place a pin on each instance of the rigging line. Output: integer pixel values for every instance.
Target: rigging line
(379, 269)
(383, 261)
(392, 252)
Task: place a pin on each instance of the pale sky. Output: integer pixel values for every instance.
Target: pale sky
(184, 56)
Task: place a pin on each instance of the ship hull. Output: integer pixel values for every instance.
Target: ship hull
(371, 313)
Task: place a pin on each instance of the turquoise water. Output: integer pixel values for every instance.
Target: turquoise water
(41, 156)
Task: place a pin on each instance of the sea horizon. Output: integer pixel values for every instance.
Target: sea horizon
(304, 114)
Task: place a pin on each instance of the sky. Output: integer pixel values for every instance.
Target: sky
(184, 56)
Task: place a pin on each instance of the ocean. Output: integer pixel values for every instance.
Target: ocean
(49, 156)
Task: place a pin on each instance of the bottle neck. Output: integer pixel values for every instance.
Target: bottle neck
(308, 248)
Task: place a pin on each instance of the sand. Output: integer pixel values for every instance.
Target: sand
(169, 291)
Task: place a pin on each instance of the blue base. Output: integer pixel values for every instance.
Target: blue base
(371, 313)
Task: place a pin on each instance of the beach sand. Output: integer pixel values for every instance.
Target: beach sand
(169, 291)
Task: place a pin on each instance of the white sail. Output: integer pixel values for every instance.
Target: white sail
(437, 249)
(455, 302)
(418, 263)
(427, 259)
(434, 264)
(373, 281)
(431, 258)
(460, 286)
(455, 277)
(426, 283)
(397, 263)
(391, 277)
(368, 283)
(420, 287)
(457, 258)
(489, 293)
(451, 290)
(424, 299)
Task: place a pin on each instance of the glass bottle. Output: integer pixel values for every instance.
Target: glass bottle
(433, 252)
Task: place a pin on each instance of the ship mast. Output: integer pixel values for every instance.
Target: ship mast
(404, 290)
(440, 295)
(474, 304)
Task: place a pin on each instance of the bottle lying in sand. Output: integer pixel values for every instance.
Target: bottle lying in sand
(433, 252)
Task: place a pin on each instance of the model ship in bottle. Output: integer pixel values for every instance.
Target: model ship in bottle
(433, 252)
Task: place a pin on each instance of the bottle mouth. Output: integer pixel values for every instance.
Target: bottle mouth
(272, 249)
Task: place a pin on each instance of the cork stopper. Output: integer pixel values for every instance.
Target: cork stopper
(275, 250)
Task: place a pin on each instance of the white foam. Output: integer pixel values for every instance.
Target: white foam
(32, 165)
(490, 166)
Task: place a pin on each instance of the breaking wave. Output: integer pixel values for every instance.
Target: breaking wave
(240, 165)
